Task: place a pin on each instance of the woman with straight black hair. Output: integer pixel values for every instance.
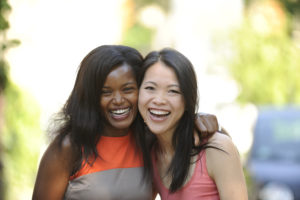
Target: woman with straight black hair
(182, 169)
(96, 152)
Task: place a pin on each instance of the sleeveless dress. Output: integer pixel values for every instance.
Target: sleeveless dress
(199, 187)
(117, 174)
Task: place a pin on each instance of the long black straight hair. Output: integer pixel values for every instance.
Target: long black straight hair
(183, 137)
(81, 116)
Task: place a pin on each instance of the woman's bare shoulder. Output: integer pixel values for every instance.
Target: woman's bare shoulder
(224, 166)
(62, 149)
(55, 169)
(222, 141)
(223, 152)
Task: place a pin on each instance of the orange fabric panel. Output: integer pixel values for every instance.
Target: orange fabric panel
(115, 152)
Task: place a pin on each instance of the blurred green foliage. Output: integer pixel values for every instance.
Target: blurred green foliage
(139, 37)
(4, 25)
(21, 136)
(266, 67)
(4, 69)
(164, 4)
(292, 6)
(3, 75)
(20, 133)
(4, 9)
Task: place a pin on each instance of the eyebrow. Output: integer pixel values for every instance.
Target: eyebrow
(149, 82)
(129, 83)
(125, 84)
(154, 83)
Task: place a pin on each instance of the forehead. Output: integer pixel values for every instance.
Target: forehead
(120, 75)
(161, 72)
(121, 70)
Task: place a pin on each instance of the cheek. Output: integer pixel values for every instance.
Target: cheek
(142, 100)
(179, 104)
(142, 108)
(103, 102)
(133, 98)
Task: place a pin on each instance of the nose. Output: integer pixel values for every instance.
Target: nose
(118, 98)
(159, 99)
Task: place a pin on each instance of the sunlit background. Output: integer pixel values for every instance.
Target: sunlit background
(246, 54)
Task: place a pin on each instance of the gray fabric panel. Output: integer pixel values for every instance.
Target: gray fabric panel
(114, 184)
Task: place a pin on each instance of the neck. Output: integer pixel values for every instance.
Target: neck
(165, 146)
(164, 154)
(113, 132)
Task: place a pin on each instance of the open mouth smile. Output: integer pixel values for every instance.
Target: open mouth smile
(120, 113)
(158, 115)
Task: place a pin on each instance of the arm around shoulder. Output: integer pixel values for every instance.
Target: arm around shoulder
(225, 167)
(54, 170)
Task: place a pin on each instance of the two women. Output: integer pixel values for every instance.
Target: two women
(97, 151)
(209, 170)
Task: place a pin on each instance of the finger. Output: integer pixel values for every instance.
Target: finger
(196, 138)
(200, 126)
(211, 123)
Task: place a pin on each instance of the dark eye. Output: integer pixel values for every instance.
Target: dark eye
(149, 88)
(106, 92)
(128, 89)
(174, 91)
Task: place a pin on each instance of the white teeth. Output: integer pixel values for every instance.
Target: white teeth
(159, 112)
(120, 111)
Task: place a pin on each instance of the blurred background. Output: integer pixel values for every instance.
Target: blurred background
(246, 54)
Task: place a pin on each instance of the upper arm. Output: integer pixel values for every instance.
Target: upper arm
(226, 168)
(54, 171)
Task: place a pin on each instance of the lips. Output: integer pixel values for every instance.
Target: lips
(158, 114)
(120, 113)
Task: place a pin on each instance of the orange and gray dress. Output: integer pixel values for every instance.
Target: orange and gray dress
(116, 174)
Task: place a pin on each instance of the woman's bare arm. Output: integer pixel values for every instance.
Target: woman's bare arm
(54, 171)
(226, 168)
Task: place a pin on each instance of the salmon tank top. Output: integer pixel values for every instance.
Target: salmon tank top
(116, 174)
(199, 187)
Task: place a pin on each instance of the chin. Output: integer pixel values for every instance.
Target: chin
(157, 131)
(122, 125)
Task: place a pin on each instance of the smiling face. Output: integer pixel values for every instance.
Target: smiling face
(161, 103)
(119, 100)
